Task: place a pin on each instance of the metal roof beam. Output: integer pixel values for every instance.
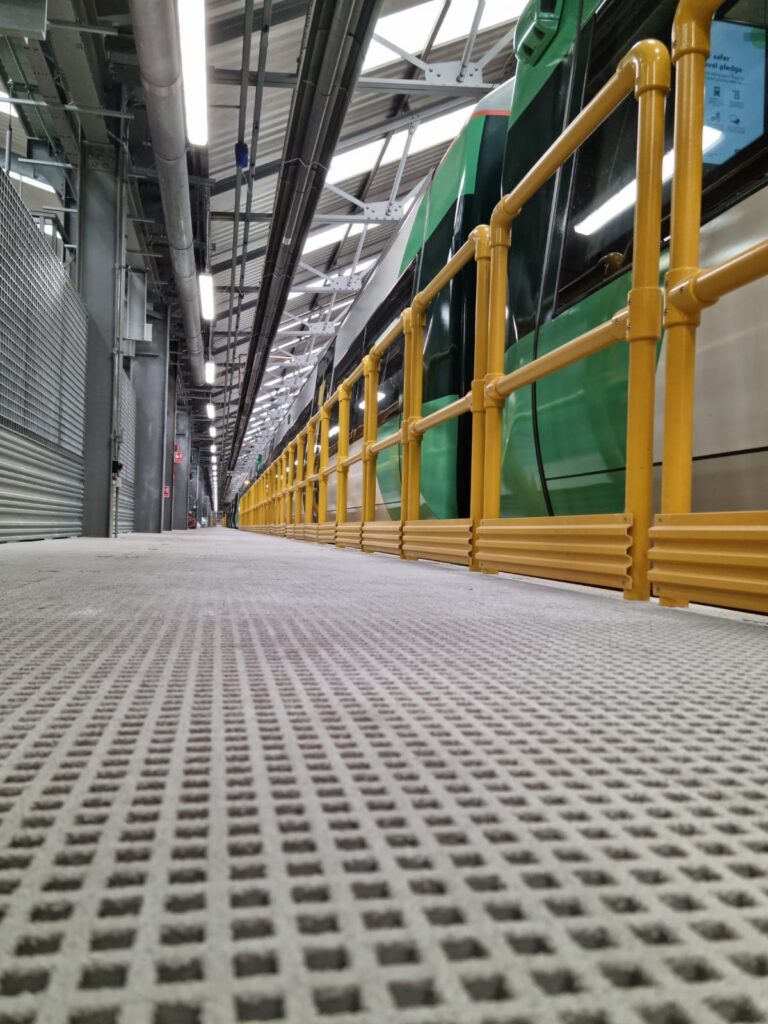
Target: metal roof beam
(419, 86)
(252, 254)
(272, 79)
(229, 216)
(265, 170)
(228, 29)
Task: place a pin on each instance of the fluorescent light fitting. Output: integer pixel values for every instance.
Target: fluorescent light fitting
(214, 459)
(193, 69)
(210, 372)
(626, 197)
(207, 307)
(213, 448)
(333, 431)
(210, 411)
(212, 431)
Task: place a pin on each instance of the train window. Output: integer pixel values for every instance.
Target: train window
(391, 382)
(598, 241)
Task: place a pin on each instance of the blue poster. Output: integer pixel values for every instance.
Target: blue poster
(735, 90)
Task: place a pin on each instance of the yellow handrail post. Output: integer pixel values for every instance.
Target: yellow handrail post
(309, 500)
(483, 271)
(342, 451)
(652, 81)
(404, 466)
(290, 454)
(690, 49)
(322, 487)
(412, 410)
(370, 434)
(299, 495)
(499, 241)
(277, 512)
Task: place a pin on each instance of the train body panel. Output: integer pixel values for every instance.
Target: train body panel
(565, 438)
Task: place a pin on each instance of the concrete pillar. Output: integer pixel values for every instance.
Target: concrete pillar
(150, 381)
(97, 257)
(181, 470)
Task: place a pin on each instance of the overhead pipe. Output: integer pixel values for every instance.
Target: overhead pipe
(157, 45)
(335, 39)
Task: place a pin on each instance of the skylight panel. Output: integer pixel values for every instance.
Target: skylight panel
(329, 236)
(428, 134)
(415, 25)
(6, 107)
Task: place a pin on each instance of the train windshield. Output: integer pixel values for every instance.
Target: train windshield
(598, 241)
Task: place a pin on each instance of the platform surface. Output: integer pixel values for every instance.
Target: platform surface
(251, 779)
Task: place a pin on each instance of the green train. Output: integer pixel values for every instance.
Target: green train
(569, 269)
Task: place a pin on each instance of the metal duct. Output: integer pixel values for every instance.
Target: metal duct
(157, 46)
(335, 39)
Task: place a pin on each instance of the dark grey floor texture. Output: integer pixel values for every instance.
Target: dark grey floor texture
(251, 779)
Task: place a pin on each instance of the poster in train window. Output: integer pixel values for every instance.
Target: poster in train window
(735, 89)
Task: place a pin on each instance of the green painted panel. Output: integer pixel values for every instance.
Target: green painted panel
(530, 79)
(438, 466)
(388, 468)
(582, 410)
(587, 495)
(521, 491)
(453, 178)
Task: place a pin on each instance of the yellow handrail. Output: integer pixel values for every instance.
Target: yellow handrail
(444, 415)
(587, 344)
(645, 70)
(387, 442)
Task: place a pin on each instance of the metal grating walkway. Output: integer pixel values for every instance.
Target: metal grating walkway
(249, 779)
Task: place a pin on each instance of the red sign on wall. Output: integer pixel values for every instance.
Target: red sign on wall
(166, 491)
(178, 456)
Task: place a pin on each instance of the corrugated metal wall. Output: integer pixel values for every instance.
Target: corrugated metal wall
(43, 346)
(126, 499)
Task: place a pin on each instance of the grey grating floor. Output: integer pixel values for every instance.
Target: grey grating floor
(249, 779)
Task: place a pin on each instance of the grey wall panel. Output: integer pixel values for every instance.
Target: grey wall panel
(43, 349)
(43, 325)
(126, 500)
(41, 489)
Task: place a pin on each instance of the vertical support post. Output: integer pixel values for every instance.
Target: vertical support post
(342, 451)
(322, 486)
(499, 238)
(483, 288)
(299, 495)
(370, 433)
(404, 466)
(412, 510)
(283, 478)
(98, 244)
(289, 478)
(309, 500)
(690, 49)
(644, 325)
